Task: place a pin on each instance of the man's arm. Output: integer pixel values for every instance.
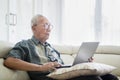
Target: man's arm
(18, 64)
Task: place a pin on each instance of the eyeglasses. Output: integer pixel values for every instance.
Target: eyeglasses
(47, 26)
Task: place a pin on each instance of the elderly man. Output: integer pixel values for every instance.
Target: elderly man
(35, 55)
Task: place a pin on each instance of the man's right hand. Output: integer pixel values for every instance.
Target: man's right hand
(50, 66)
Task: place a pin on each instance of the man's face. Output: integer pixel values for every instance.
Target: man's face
(42, 29)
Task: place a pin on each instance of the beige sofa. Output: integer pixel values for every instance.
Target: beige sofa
(104, 54)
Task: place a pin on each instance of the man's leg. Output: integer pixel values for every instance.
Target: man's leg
(109, 77)
(86, 78)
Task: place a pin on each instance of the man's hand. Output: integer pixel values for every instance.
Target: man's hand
(90, 59)
(50, 66)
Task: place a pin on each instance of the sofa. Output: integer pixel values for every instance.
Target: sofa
(104, 54)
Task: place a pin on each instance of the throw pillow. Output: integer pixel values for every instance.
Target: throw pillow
(81, 69)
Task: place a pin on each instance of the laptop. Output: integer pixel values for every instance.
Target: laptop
(85, 52)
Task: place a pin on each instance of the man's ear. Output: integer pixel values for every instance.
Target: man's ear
(33, 28)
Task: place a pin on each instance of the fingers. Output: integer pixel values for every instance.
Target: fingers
(56, 64)
(50, 66)
(90, 59)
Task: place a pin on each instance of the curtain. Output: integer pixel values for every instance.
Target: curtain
(91, 20)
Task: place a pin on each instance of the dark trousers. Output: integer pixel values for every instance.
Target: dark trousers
(86, 78)
(109, 77)
(104, 77)
(77, 78)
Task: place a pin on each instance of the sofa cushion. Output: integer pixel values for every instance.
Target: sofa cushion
(69, 59)
(111, 59)
(64, 49)
(9, 74)
(81, 69)
(118, 77)
(4, 48)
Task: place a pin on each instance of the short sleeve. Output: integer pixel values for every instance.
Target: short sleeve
(18, 51)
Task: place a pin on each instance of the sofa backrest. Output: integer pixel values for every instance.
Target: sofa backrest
(4, 48)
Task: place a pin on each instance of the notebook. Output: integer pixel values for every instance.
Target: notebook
(85, 52)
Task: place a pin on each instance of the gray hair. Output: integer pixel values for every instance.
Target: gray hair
(34, 20)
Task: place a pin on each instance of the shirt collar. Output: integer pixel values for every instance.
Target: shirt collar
(36, 41)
